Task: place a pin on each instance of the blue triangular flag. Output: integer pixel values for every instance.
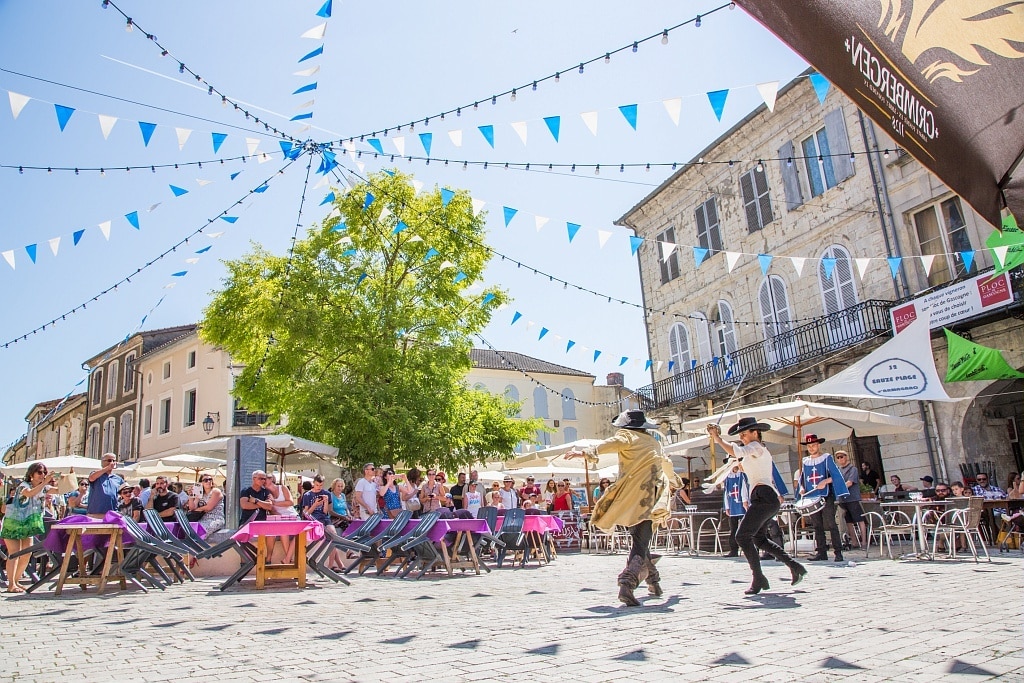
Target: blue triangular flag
(178, 191)
(229, 219)
(314, 53)
(766, 261)
(572, 229)
(486, 131)
(596, 354)
(180, 273)
(516, 317)
(717, 100)
(671, 364)
(286, 146)
(509, 213)
(348, 252)
(554, 125)
(305, 88)
(133, 218)
(367, 201)
(399, 227)
(64, 113)
(693, 364)
(828, 264)
(431, 253)
(543, 331)
(569, 345)
(699, 254)
(325, 11)
(634, 244)
(78, 236)
(147, 132)
(390, 173)
(714, 361)
(204, 249)
(459, 277)
(426, 139)
(487, 298)
(647, 366)
(328, 199)
(821, 86)
(234, 175)
(622, 361)
(262, 188)
(446, 196)
(375, 143)
(30, 249)
(340, 227)
(218, 140)
(894, 265)
(300, 117)
(629, 111)
(328, 155)
(362, 277)
(968, 257)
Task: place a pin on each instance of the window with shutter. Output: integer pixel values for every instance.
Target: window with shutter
(679, 348)
(776, 316)
(790, 176)
(703, 337)
(942, 231)
(568, 404)
(709, 233)
(124, 450)
(839, 293)
(726, 329)
(669, 266)
(839, 144)
(540, 403)
(756, 203)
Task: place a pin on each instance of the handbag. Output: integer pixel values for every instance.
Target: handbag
(413, 504)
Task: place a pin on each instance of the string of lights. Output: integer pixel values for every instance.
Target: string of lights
(128, 101)
(103, 170)
(128, 278)
(131, 25)
(555, 77)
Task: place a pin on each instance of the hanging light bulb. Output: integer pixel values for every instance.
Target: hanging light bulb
(607, 57)
(535, 85)
(789, 161)
(573, 169)
(597, 170)
(648, 168)
(494, 99)
(622, 167)
(103, 174)
(558, 77)
(886, 154)
(760, 167)
(634, 46)
(50, 171)
(181, 67)
(129, 26)
(513, 97)
(697, 23)
(664, 37)
(209, 91)
(581, 67)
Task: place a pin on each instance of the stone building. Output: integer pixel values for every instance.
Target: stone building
(753, 266)
(56, 428)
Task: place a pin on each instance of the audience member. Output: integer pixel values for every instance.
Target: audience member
(601, 486)
(457, 491)
(103, 487)
(316, 503)
(389, 493)
(23, 519)
(869, 476)
(681, 497)
(563, 499)
(1014, 489)
(927, 486)
(496, 500)
(78, 499)
(509, 497)
(958, 489)
(209, 504)
(163, 500)
(255, 500)
(182, 493)
(987, 490)
(146, 490)
(432, 492)
(130, 506)
(339, 513)
(547, 496)
(529, 488)
(364, 500)
(853, 511)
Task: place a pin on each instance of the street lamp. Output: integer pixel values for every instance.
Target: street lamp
(208, 421)
(671, 434)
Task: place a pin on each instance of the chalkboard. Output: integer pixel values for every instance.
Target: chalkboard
(246, 454)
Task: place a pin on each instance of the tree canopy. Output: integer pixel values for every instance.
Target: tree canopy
(362, 336)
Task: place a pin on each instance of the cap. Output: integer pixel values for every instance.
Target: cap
(927, 478)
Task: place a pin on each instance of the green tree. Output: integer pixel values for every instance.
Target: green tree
(362, 337)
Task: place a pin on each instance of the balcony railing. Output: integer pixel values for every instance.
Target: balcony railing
(793, 347)
(244, 418)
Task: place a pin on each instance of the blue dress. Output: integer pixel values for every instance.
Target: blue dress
(392, 499)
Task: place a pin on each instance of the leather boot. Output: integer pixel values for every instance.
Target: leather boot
(636, 571)
(796, 571)
(820, 556)
(654, 577)
(759, 583)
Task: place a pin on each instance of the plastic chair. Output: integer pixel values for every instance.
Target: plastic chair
(158, 528)
(192, 539)
(415, 548)
(171, 555)
(369, 557)
(512, 536)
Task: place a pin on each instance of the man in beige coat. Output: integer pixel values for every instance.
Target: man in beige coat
(639, 498)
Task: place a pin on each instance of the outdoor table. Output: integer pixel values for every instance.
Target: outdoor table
(75, 546)
(535, 526)
(691, 517)
(918, 521)
(303, 530)
(989, 505)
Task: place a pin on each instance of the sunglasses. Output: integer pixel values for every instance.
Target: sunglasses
(207, 481)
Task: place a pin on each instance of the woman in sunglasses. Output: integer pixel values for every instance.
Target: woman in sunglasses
(24, 519)
(209, 504)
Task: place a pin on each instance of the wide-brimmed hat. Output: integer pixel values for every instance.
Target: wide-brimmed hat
(811, 438)
(633, 419)
(746, 423)
(508, 477)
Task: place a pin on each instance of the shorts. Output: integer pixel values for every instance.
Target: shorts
(854, 511)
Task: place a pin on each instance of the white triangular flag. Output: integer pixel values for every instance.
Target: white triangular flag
(666, 251)
(152, 207)
(673, 107)
(251, 144)
(192, 261)
(731, 257)
(798, 264)
(399, 144)
(214, 235)
(9, 257)
(768, 92)
(926, 261)
(456, 137)
(350, 147)
(18, 103)
(305, 105)
(520, 128)
(446, 264)
(539, 222)
(590, 119)
(603, 236)
(302, 129)
(263, 158)
(307, 72)
(182, 134)
(322, 183)
(105, 229)
(384, 213)
(316, 33)
(415, 238)
(106, 124)
(346, 239)
(862, 266)
(529, 324)
(478, 206)
(202, 182)
(54, 245)
(335, 212)
(1000, 253)
(658, 364)
(361, 166)
(417, 185)
(170, 285)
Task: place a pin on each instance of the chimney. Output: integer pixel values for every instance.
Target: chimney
(615, 379)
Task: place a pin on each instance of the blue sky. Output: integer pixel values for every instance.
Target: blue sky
(381, 66)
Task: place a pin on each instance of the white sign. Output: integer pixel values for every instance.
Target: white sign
(956, 302)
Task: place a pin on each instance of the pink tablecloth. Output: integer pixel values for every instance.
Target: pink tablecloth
(443, 526)
(314, 530)
(543, 523)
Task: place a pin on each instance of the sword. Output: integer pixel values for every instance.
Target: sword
(717, 424)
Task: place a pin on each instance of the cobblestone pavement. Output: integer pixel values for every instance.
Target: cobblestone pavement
(873, 621)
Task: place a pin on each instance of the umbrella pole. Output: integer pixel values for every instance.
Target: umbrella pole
(711, 440)
(586, 475)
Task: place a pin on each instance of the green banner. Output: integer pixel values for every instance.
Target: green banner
(970, 362)
(1010, 237)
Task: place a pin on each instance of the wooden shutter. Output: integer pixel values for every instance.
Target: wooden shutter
(764, 202)
(839, 144)
(728, 326)
(829, 290)
(790, 179)
(703, 337)
(764, 300)
(679, 348)
(714, 229)
(782, 313)
(750, 201)
(702, 227)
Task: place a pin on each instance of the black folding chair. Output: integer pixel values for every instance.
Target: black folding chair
(415, 549)
(318, 556)
(369, 558)
(512, 536)
(193, 540)
(171, 555)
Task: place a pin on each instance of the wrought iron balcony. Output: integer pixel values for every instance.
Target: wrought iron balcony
(787, 349)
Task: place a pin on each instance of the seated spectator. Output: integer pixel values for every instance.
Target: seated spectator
(958, 490)
(927, 486)
(987, 490)
(163, 500)
(895, 485)
(547, 496)
(942, 491)
(316, 503)
(529, 488)
(129, 506)
(681, 497)
(209, 505)
(496, 500)
(146, 490)
(601, 486)
(1014, 488)
(256, 501)
(182, 493)
(78, 499)
(339, 513)
(563, 498)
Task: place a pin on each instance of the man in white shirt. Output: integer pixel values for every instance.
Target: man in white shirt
(365, 498)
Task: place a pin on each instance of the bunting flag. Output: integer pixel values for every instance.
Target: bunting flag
(325, 11)
(539, 222)
(426, 139)
(488, 298)
(699, 254)
(306, 88)
(9, 257)
(862, 266)
(63, 115)
(766, 261)
(315, 53)
(597, 354)
(446, 196)
(602, 237)
(459, 277)
(178, 191)
(894, 265)
(367, 201)
(509, 213)
(672, 108)
(77, 237)
(431, 253)
(105, 229)
(106, 124)
(634, 244)
(488, 133)
(717, 100)
(30, 249)
(478, 206)
(554, 124)
(328, 199)
(251, 145)
(18, 103)
(829, 265)
(622, 361)
(133, 219)
(968, 258)
(572, 229)
(316, 33)
(456, 137)
(768, 93)
(182, 134)
(926, 263)
(307, 72)
(218, 140)
(968, 362)
(399, 227)
(54, 245)
(590, 121)
(399, 143)
(629, 112)
(516, 317)
(1010, 245)
(667, 249)
(520, 129)
(229, 219)
(147, 132)
(543, 331)
(731, 259)
(569, 345)
(821, 86)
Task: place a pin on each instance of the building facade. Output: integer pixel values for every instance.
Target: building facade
(56, 428)
(772, 271)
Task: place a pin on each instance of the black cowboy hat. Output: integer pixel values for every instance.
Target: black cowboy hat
(811, 438)
(633, 419)
(746, 423)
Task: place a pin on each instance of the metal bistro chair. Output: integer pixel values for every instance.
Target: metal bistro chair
(962, 522)
(895, 524)
(708, 527)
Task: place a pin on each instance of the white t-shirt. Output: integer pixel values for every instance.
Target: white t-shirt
(366, 491)
(757, 463)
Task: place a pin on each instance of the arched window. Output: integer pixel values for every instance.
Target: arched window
(773, 300)
(703, 336)
(108, 435)
(540, 403)
(839, 293)
(679, 348)
(570, 435)
(124, 450)
(725, 330)
(568, 404)
(94, 442)
(112, 380)
(512, 394)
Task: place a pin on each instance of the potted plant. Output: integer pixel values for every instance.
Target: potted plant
(866, 492)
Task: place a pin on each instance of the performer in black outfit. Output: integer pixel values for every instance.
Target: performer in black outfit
(756, 462)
